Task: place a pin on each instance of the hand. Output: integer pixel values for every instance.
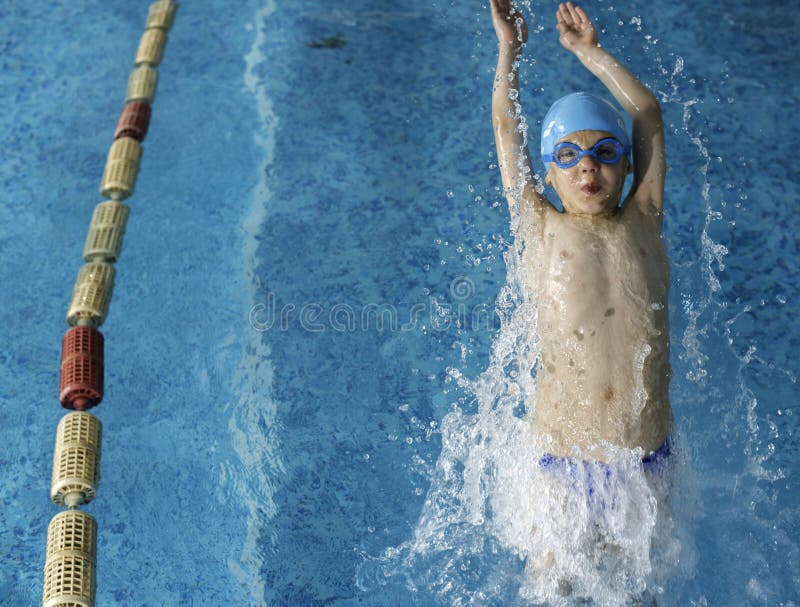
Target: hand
(575, 27)
(509, 24)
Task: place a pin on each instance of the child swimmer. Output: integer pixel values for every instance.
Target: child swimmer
(598, 271)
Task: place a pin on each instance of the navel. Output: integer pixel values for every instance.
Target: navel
(610, 312)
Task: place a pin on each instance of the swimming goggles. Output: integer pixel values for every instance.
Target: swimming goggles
(567, 154)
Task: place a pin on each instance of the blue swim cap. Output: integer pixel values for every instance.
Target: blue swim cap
(581, 112)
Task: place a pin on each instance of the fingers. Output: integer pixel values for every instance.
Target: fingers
(582, 15)
(509, 24)
(503, 7)
(571, 15)
(564, 16)
(575, 14)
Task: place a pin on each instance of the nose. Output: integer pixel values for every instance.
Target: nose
(588, 163)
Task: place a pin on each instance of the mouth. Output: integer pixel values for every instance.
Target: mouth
(591, 188)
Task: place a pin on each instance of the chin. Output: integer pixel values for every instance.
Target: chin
(594, 210)
(599, 206)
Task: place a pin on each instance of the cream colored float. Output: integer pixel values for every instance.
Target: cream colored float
(151, 47)
(70, 565)
(91, 295)
(161, 14)
(142, 84)
(76, 460)
(122, 168)
(104, 238)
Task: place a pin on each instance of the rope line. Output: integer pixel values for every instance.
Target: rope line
(71, 558)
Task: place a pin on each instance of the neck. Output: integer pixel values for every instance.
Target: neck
(608, 214)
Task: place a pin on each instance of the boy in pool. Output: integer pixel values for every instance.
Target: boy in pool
(598, 271)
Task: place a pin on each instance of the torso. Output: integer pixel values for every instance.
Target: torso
(601, 290)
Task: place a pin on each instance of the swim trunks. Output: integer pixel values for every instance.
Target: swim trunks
(650, 462)
(595, 475)
(653, 462)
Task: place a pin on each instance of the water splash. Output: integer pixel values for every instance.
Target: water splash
(743, 475)
(498, 527)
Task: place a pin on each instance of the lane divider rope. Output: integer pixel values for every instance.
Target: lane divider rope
(71, 557)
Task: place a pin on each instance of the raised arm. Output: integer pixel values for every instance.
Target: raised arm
(579, 36)
(512, 149)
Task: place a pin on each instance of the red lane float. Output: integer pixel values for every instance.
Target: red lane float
(134, 121)
(81, 385)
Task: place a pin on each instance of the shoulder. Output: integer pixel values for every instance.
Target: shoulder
(536, 214)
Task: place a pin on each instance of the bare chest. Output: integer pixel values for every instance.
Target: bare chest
(600, 290)
(597, 278)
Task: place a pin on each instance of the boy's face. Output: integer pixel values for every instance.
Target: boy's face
(590, 187)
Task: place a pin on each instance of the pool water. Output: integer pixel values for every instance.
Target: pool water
(314, 342)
